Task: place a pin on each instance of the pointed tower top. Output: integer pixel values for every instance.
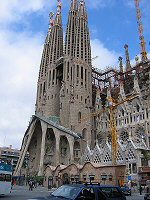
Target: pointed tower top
(74, 5)
(82, 9)
(121, 64)
(51, 19)
(58, 19)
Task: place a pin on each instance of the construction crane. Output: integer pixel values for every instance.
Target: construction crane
(141, 30)
(112, 108)
(114, 132)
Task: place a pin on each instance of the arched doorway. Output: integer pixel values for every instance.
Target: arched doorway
(35, 150)
(66, 178)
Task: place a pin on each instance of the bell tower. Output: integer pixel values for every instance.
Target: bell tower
(76, 93)
(48, 83)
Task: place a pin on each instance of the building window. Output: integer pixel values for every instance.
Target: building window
(134, 168)
(77, 70)
(79, 117)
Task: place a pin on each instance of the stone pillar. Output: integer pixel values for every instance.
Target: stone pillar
(57, 150)
(71, 145)
(44, 129)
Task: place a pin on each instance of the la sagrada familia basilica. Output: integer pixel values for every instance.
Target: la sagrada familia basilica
(87, 121)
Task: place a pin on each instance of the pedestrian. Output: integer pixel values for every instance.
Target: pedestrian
(140, 190)
(30, 185)
(147, 189)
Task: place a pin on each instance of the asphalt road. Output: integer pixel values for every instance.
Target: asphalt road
(22, 193)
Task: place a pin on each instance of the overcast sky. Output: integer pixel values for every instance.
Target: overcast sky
(23, 28)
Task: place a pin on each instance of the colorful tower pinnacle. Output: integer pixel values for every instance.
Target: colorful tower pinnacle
(128, 64)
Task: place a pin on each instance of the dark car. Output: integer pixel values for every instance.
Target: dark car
(126, 190)
(86, 192)
(147, 196)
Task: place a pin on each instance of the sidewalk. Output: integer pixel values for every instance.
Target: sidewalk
(38, 188)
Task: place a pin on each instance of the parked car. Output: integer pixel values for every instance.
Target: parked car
(147, 196)
(126, 190)
(86, 192)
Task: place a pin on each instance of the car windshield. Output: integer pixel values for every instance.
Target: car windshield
(66, 191)
(111, 192)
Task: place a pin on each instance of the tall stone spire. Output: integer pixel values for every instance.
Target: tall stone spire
(128, 64)
(56, 48)
(82, 9)
(74, 5)
(83, 48)
(46, 50)
(48, 87)
(121, 64)
(71, 29)
(77, 72)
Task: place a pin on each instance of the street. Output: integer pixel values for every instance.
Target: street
(22, 193)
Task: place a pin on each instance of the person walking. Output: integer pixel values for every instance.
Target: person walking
(140, 190)
(30, 185)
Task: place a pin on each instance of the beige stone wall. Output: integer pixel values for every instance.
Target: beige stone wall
(59, 175)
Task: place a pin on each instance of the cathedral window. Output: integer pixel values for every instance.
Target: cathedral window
(44, 88)
(85, 75)
(71, 73)
(143, 116)
(40, 89)
(79, 117)
(85, 101)
(147, 113)
(68, 70)
(122, 112)
(49, 77)
(53, 76)
(131, 117)
(137, 107)
(134, 168)
(77, 70)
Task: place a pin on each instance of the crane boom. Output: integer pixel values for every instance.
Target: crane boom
(113, 125)
(141, 30)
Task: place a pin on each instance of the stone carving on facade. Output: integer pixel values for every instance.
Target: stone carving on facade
(72, 95)
(62, 90)
(44, 98)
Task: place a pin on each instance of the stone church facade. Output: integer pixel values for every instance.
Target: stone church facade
(64, 131)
